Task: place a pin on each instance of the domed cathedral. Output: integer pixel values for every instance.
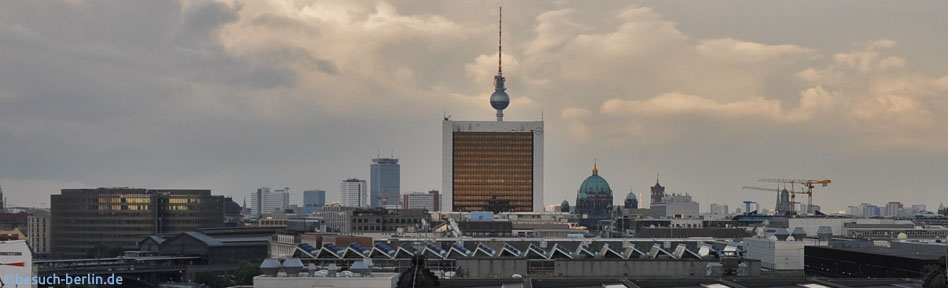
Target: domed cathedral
(594, 198)
(631, 202)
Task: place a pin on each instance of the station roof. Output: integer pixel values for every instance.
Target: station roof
(749, 282)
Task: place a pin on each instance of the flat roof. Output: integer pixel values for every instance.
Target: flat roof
(555, 282)
(906, 252)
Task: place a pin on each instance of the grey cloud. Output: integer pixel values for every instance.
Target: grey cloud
(232, 97)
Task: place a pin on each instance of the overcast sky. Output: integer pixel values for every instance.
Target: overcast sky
(713, 95)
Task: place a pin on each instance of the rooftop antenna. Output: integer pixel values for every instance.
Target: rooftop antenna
(500, 29)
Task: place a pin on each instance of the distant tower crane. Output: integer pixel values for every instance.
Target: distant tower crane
(808, 185)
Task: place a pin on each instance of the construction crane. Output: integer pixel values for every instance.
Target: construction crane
(778, 209)
(808, 186)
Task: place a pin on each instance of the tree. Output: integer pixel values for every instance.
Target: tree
(245, 272)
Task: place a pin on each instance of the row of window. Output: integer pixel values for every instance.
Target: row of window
(487, 195)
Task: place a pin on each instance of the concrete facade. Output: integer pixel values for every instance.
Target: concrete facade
(377, 280)
(313, 200)
(674, 206)
(811, 225)
(418, 200)
(353, 193)
(265, 202)
(777, 255)
(504, 268)
(39, 230)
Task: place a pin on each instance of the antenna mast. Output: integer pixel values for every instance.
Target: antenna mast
(500, 29)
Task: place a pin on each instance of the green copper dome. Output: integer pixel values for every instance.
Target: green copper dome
(631, 196)
(594, 185)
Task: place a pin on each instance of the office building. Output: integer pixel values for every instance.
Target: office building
(778, 255)
(493, 166)
(674, 206)
(232, 215)
(418, 200)
(385, 191)
(313, 200)
(38, 227)
(869, 210)
(719, 209)
(892, 209)
(853, 211)
(371, 220)
(751, 206)
(353, 193)
(437, 199)
(266, 202)
(83, 218)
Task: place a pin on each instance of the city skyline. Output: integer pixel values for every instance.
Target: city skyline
(711, 104)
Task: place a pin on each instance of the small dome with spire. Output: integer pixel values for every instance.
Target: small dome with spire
(631, 201)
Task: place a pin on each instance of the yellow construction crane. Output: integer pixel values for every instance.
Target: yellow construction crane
(808, 186)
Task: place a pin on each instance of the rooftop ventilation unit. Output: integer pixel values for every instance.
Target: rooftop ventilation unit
(270, 267)
(292, 267)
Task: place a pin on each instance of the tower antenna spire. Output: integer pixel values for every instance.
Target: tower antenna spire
(499, 100)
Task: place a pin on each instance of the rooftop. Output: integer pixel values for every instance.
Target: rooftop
(679, 282)
(904, 252)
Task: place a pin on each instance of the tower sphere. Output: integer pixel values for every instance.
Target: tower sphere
(499, 100)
